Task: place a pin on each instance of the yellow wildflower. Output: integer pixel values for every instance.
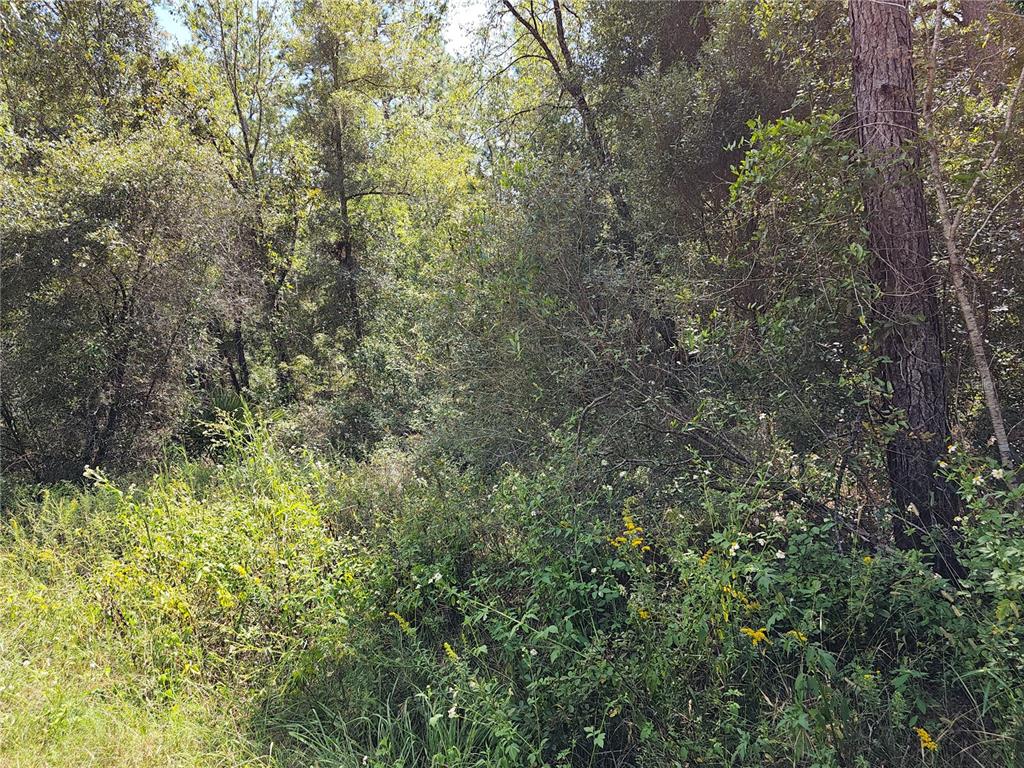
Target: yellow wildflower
(643, 614)
(402, 623)
(225, 599)
(631, 534)
(927, 742)
(450, 652)
(868, 559)
(797, 635)
(756, 635)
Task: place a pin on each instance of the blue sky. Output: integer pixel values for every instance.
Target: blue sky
(177, 31)
(463, 16)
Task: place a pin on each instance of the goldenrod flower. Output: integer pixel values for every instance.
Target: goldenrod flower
(450, 652)
(402, 623)
(756, 635)
(797, 635)
(927, 742)
(631, 535)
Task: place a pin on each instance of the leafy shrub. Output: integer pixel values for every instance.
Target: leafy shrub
(405, 611)
(574, 623)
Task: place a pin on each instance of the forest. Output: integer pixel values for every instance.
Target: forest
(500, 383)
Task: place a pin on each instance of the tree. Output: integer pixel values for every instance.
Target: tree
(950, 220)
(67, 63)
(243, 43)
(106, 281)
(334, 65)
(906, 309)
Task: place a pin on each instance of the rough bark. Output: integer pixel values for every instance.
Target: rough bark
(906, 312)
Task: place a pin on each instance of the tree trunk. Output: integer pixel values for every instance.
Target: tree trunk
(338, 183)
(238, 341)
(906, 311)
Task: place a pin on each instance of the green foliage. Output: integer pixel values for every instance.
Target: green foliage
(508, 408)
(82, 64)
(416, 614)
(608, 634)
(111, 250)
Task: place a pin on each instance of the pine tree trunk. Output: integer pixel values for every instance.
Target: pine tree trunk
(906, 312)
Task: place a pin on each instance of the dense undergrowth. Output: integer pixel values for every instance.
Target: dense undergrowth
(270, 609)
